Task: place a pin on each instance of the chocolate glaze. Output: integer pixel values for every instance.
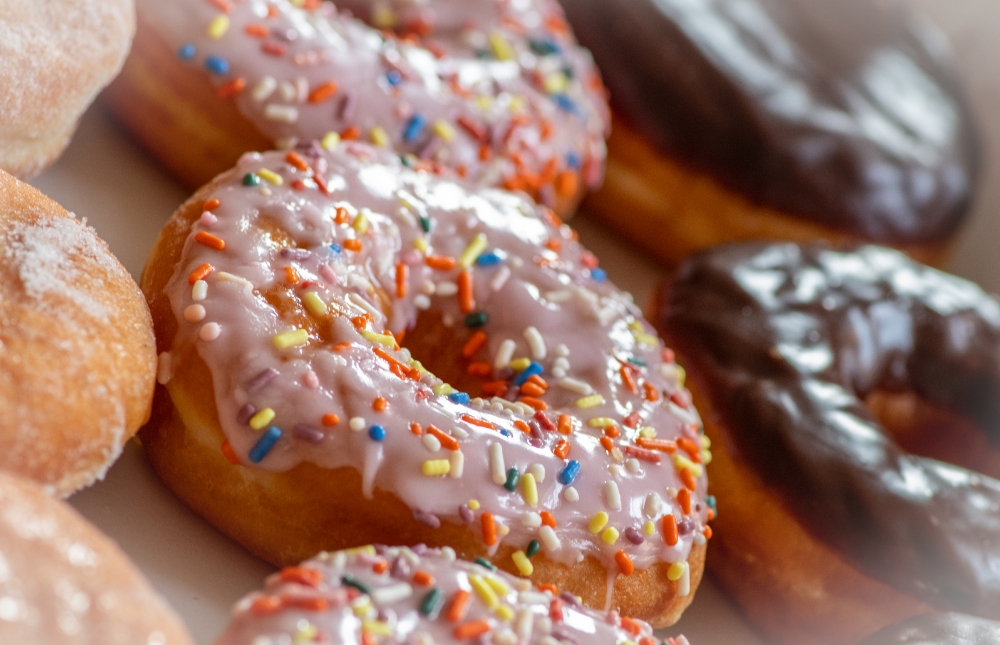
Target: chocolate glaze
(939, 629)
(839, 112)
(787, 340)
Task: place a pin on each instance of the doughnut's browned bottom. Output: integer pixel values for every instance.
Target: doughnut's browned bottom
(671, 211)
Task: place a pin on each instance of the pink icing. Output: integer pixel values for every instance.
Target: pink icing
(537, 114)
(588, 337)
(408, 595)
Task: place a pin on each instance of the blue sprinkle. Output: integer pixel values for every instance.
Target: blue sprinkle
(599, 274)
(489, 259)
(377, 433)
(335, 248)
(394, 77)
(264, 444)
(569, 473)
(573, 160)
(566, 103)
(460, 398)
(505, 432)
(414, 127)
(635, 360)
(217, 65)
(527, 373)
(186, 52)
(543, 46)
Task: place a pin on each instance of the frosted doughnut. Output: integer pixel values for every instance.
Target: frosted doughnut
(557, 424)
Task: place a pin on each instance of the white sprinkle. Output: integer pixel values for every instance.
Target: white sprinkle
(431, 442)
(612, 496)
(448, 554)
(549, 538)
(459, 433)
(561, 363)
(357, 424)
(529, 597)
(301, 88)
(684, 415)
(422, 302)
(365, 305)
(223, 276)
(504, 637)
(164, 368)
(287, 143)
(504, 353)
(699, 539)
(535, 342)
(194, 313)
(339, 560)
(558, 373)
(549, 640)
(500, 279)
(574, 385)
(391, 594)
(525, 621)
(446, 289)
(531, 519)
(684, 584)
(571, 494)
(264, 88)
(310, 380)
(615, 469)
(606, 314)
(457, 460)
(538, 472)
(287, 91)
(562, 350)
(652, 505)
(497, 467)
(199, 291)
(633, 465)
(209, 331)
(428, 288)
(562, 295)
(282, 113)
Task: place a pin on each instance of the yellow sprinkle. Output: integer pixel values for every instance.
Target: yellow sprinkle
(681, 376)
(645, 339)
(501, 47)
(598, 522)
(420, 244)
(379, 136)
(314, 304)
(676, 570)
(444, 130)
(601, 422)
(683, 463)
(530, 489)
(442, 389)
(474, 504)
(591, 401)
(649, 528)
(706, 457)
(381, 339)
(484, 102)
(520, 364)
(504, 612)
(610, 535)
(260, 420)
(305, 633)
(647, 433)
(556, 83)
(517, 103)
(288, 339)
(218, 27)
(363, 606)
(435, 467)
(473, 251)
(522, 563)
(330, 140)
(270, 176)
(705, 441)
(383, 17)
(484, 591)
(360, 223)
(417, 365)
(376, 627)
(368, 549)
(496, 584)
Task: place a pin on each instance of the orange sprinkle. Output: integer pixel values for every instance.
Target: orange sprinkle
(531, 389)
(367, 638)
(707, 532)
(301, 575)
(340, 215)
(663, 445)
(652, 394)
(612, 431)
(537, 404)
(687, 479)
(330, 419)
(307, 604)
(471, 629)
(339, 347)
(628, 624)
(485, 153)
(539, 381)
(379, 404)
(480, 369)
(669, 528)
(562, 449)
(551, 588)
(440, 262)
(296, 161)
(474, 344)
(627, 568)
(423, 578)
(323, 92)
(229, 453)
(489, 529)
(709, 514)
(221, 5)
(607, 444)
(567, 183)
(548, 519)
(684, 499)
(495, 388)
(648, 640)
(380, 566)
(210, 205)
(265, 606)
(200, 273)
(522, 426)
(478, 422)
(402, 275)
(209, 240)
(232, 88)
(691, 448)
(291, 275)
(456, 608)
(416, 429)
(399, 369)
(447, 441)
(256, 31)
(553, 244)
(565, 424)
(466, 300)
(360, 322)
(351, 134)
(628, 380)
(353, 245)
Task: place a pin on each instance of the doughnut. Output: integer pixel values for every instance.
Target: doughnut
(66, 583)
(492, 90)
(779, 120)
(530, 409)
(939, 628)
(421, 596)
(54, 59)
(77, 353)
(831, 383)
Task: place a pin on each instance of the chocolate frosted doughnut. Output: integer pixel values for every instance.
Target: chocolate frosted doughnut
(779, 119)
(784, 343)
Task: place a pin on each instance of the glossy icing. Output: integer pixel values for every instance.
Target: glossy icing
(541, 304)
(939, 629)
(793, 338)
(847, 113)
(497, 90)
(409, 596)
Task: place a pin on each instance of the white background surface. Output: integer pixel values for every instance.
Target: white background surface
(107, 179)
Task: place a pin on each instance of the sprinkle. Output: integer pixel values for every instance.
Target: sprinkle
(431, 442)
(483, 562)
(194, 313)
(314, 304)
(377, 433)
(599, 275)
(610, 535)
(473, 251)
(591, 401)
(379, 136)
(263, 88)
(684, 499)
(457, 606)
(457, 460)
(532, 369)
(472, 629)
(382, 339)
(612, 496)
(435, 467)
(466, 300)
(216, 65)
(288, 339)
(513, 476)
(497, 470)
(209, 240)
(668, 526)
(522, 563)
(223, 276)
(350, 581)
(485, 592)
(209, 331)
(270, 176)
(262, 419)
(322, 92)
(624, 563)
(264, 444)
(489, 528)
(392, 593)
(186, 52)
(569, 472)
(357, 424)
(662, 445)
(529, 489)
(431, 603)
(461, 398)
(414, 127)
(601, 422)
(500, 279)
(504, 353)
(200, 273)
(536, 343)
(444, 130)
(281, 113)
(219, 26)
(502, 48)
(598, 522)
(199, 291)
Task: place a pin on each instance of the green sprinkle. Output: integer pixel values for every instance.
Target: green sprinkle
(635, 360)
(512, 478)
(251, 179)
(476, 319)
(533, 548)
(483, 562)
(431, 603)
(351, 581)
(425, 223)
